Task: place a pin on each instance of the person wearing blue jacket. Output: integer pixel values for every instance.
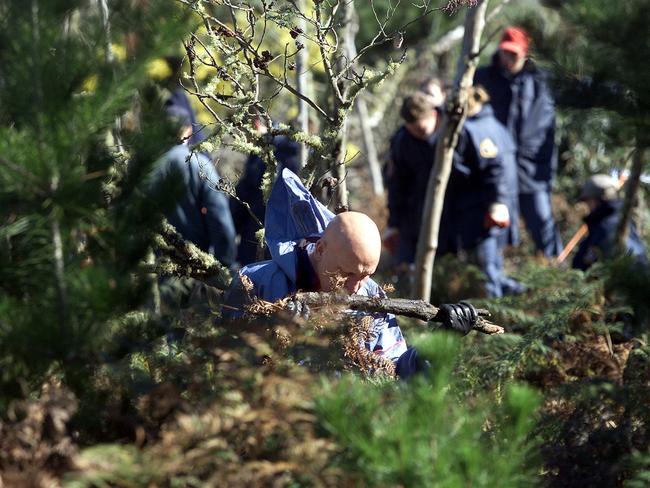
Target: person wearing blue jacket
(311, 249)
(480, 210)
(201, 213)
(522, 101)
(600, 194)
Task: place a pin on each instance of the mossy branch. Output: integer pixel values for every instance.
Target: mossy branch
(179, 257)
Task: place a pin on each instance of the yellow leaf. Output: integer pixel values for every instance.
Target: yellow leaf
(158, 69)
(119, 51)
(89, 85)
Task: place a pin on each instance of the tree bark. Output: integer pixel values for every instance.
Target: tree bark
(362, 110)
(340, 172)
(302, 85)
(371, 148)
(179, 257)
(451, 127)
(630, 195)
(348, 33)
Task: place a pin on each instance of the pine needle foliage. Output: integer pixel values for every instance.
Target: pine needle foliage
(72, 222)
(576, 346)
(419, 434)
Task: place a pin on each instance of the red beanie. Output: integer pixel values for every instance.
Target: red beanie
(514, 40)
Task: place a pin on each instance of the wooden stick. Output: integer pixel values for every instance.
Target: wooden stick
(577, 237)
(418, 309)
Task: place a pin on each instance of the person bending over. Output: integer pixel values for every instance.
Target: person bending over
(314, 250)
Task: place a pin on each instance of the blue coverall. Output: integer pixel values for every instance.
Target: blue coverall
(293, 217)
(482, 174)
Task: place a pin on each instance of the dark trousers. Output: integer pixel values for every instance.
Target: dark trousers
(489, 258)
(536, 211)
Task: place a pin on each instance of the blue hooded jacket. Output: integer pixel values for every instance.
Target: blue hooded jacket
(292, 215)
(524, 104)
(179, 99)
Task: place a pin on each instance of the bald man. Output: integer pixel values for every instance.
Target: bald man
(347, 254)
(314, 250)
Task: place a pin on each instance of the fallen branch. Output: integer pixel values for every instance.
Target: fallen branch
(417, 309)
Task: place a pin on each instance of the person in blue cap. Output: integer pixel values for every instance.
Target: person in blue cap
(600, 193)
(314, 250)
(200, 213)
(522, 101)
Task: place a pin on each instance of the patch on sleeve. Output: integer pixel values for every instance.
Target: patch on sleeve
(488, 149)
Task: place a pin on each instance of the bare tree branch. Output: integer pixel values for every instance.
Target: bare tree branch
(417, 309)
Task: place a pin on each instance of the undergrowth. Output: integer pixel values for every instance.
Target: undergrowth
(559, 400)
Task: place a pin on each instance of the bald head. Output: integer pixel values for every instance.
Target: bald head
(348, 252)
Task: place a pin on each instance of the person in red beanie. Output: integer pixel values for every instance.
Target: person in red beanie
(523, 103)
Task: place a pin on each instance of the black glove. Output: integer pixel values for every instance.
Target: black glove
(460, 317)
(298, 309)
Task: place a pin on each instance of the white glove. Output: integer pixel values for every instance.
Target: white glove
(498, 215)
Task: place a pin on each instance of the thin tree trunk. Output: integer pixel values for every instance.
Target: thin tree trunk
(59, 269)
(109, 56)
(302, 85)
(371, 148)
(362, 108)
(55, 226)
(114, 138)
(340, 172)
(630, 195)
(451, 127)
(347, 37)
